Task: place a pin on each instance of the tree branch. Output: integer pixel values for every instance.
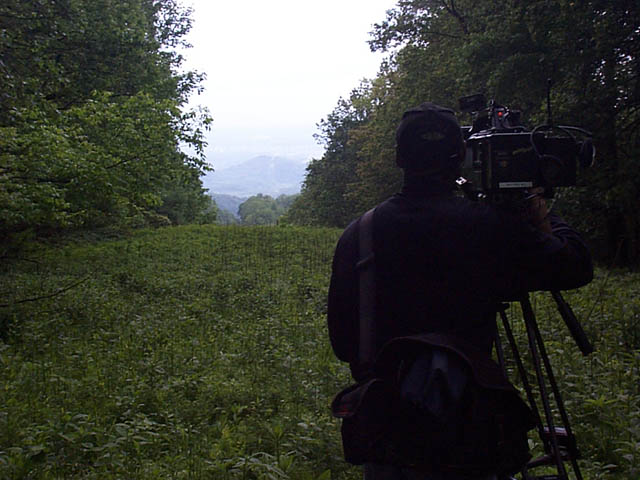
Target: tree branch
(51, 295)
(451, 8)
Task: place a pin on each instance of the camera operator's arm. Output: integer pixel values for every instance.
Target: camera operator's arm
(574, 259)
(555, 256)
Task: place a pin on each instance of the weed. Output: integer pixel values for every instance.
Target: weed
(201, 352)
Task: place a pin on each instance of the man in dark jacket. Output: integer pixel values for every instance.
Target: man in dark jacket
(444, 262)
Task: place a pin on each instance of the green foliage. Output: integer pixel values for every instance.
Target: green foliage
(263, 209)
(187, 203)
(184, 352)
(201, 352)
(62, 51)
(324, 198)
(225, 217)
(440, 51)
(90, 165)
(600, 391)
(91, 129)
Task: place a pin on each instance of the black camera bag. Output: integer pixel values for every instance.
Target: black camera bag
(482, 428)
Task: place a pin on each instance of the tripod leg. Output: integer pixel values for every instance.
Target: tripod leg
(531, 326)
(571, 447)
(523, 374)
(499, 350)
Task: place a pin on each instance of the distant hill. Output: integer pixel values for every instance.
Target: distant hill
(267, 175)
(229, 203)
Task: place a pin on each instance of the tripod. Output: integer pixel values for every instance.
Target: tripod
(559, 442)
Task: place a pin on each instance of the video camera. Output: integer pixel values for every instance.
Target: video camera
(503, 157)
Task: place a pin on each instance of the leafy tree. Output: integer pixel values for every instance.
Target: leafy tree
(63, 51)
(225, 217)
(187, 203)
(323, 198)
(263, 209)
(440, 50)
(284, 202)
(92, 130)
(590, 52)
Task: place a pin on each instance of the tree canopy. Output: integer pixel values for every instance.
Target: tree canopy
(263, 209)
(441, 50)
(93, 125)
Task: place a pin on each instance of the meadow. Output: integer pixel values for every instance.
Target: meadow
(201, 352)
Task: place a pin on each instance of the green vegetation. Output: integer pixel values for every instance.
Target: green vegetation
(195, 352)
(201, 352)
(442, 50)
(225, 217)
(93, 129)
(264, 209)
(258, 209)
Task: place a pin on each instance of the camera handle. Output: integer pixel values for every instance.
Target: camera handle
(559, 442)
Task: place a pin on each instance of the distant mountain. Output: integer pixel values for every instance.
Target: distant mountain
(229, 203)
(267, 175)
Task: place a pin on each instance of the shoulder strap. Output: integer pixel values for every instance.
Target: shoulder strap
(367, 284)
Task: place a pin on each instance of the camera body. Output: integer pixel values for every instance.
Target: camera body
(503, 157)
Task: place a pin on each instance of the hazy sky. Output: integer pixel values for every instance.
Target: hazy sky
(276, 68)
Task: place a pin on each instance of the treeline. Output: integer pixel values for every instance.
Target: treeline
(258, 209)
(442, 50)
(93, 129)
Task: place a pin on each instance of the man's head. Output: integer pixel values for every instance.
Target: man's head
(429, 141)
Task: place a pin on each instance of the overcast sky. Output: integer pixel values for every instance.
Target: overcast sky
(276, 68)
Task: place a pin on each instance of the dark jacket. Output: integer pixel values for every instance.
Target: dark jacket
(443, 263)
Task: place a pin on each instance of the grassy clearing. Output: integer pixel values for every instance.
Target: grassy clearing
(201, 352)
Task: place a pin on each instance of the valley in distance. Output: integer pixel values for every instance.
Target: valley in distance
(268, 175)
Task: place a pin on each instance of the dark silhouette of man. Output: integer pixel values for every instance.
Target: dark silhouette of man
(444, 262)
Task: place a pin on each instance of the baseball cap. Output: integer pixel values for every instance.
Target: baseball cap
(428, 139)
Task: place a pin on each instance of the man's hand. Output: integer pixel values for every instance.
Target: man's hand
(537, 211)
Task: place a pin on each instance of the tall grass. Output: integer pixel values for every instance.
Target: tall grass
(201, 352)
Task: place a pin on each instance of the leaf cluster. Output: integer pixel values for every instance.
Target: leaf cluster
(441, 50)
(263, 209)
(201, 352)
(92, 130)
(194, 351)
